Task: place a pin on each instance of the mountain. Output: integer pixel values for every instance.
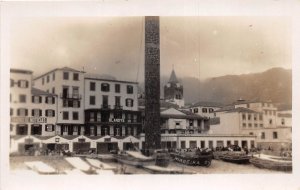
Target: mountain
(274, 84)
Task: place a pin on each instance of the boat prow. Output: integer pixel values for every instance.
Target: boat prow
(272, 162)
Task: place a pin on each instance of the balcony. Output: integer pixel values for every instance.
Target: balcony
(118, 107)
(70, 96)
(105, 106)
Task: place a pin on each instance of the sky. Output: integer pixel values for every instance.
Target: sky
(200, 47)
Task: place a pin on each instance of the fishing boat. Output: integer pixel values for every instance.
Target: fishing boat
(134, 158)
(195, 157)
(272, 162)
(238, 157)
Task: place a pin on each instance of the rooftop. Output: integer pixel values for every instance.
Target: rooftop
(22, 71)
(36, 91)
(106, 78)
(53, 70)
(207, 104)
(173, 78)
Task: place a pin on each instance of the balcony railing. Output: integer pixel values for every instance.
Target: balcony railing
(118, 107)
(105, 106)
(70, 96)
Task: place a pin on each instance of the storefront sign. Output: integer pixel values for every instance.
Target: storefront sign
(117, 120)
(28, 119)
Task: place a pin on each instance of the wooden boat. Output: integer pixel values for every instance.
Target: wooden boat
(272, 162)
(193, 157)
(134, 158)
(238, 157)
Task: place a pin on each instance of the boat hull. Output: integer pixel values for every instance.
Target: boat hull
(272, 164)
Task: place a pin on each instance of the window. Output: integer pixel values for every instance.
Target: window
(92, 100)
(22, 98)
(98, 116)
(191, 123)
(49, 128)
(129, 102)
(129, 131)
(43, 81)
(92, 86)
(49, 113)
(22, 112)
(11, 127)
(76, 104)
(105, 101)
(75, 91)
(11, 111)
(260, 117)
(255, 125)
(92, 130)
(48, 78)
(36, 112)
(92, 116)
(12, 82)
(254, 117)
(65, 115)
(105, 87)
(129, 89)
(117, 88)
(244, 117)
(117, 100)
(249, 116)
(244, 124)
(98, 130)
(75, 128)
(177, 123)
(249, 124)
(36, 99)
(211, 110)
(263, 135)
(117, 131)
(75, 76)
(270, 121)
(204, 110)
(266, 112)
(261, 125)
(195, 110)
(275, 135)
(251, 133)
(23, 83)
(66, 76)
(53, 90)
(50, 100)
(53, 76)
(282, 121)
(75, 115)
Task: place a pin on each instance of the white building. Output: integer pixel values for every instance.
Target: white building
(260, 119)
(111, 108)
(68, 84)
(205, 109)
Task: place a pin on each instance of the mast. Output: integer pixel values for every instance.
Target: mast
(152, 84)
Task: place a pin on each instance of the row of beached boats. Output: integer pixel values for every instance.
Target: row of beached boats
(203, 157)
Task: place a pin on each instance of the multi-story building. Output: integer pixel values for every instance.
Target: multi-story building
(111, 107)
(68, 84)
(260, 119)
(205, 109)
(20, 97)
(33, 111)
(173, 91)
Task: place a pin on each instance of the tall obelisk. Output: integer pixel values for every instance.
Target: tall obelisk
(152, 84)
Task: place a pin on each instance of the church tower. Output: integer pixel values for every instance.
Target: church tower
(173, 91)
